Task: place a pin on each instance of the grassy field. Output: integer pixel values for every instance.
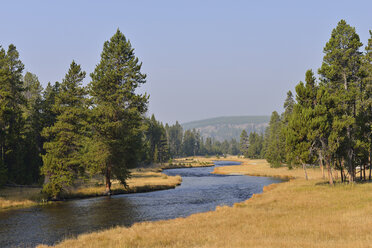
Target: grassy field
(18, 197)
(141, 181)
(259, 167)
(296, 213)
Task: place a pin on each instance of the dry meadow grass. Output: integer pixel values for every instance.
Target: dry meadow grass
(139, 182)
(17, 197)
(296, 213)
(260, 167)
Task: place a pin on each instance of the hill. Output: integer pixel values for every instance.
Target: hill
(228, 127)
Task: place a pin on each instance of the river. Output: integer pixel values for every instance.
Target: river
(200, 191)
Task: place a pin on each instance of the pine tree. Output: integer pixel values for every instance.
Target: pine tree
(244, 143)
(300, 132)
(175, 134)
(63, 159)
(364, 111)
(340, 74)
(117, 109)
(11, 121)
(163, 149)
(275, 149)
(33, 143)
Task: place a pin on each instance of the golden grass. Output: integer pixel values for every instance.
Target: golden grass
(17, 197)
(297, 213)
(260, 167)
(21, 197)
(139, 182)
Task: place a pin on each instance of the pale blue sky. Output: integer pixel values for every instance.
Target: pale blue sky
(202, 58)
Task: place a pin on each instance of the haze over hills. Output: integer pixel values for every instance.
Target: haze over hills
(228, 127)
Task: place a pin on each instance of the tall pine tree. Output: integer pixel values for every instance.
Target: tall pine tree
(117, 109)
(63, 158)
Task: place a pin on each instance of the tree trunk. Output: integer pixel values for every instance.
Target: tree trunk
(361, 175)
(304, 167)
(336, 173)
(330, 178)
(370, 165)
(108, 180)
(342, 175)
(321, 162)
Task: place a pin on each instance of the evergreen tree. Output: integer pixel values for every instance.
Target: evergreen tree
(117, 109)
(340, 74)
(162, 150)
(175, 134)
(234, 147)
(364, 117)
(288, 107)
(191, 143)
(255, 145)
(49, 116)
(33, 143)
(244, 142)
(11, 121)
(63, 159)
(275, 149)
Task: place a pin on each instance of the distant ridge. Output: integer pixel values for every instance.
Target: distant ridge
(228, 127)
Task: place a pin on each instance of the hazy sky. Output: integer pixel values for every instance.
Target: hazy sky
(202, 58)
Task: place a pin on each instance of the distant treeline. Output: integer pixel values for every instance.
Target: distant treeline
(329, 121)
(164, 142)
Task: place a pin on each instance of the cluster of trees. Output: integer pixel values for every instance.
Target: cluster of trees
(329, 122)
(251, 146)
(23, 114)
(163, 142)
(69, 131)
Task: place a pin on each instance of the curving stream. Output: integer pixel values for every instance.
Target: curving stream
(200, 191)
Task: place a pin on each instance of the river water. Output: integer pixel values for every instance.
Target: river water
(200, 191)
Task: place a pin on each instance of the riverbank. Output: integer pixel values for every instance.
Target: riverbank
(296, 213)
(18, 197)
(260, 167)
(141, 181)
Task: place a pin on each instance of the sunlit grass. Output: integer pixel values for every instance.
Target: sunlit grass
(15, 197)
(260, 167)
(296, 213)
(139, 182)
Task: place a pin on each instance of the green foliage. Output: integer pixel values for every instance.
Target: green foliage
(11, 121)
(275, 153)
(244, 143)
(117, 111)
(255, 145)
(331, 121)
(175, 135)
(340, 74)
(62, 161)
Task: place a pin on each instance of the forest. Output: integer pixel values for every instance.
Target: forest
(328, 121)
(67, 131)
(53, 136)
